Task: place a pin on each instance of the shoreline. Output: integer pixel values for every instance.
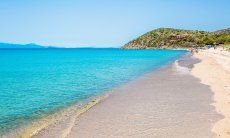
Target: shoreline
(214, 71)
(39, 125)
(121, 106)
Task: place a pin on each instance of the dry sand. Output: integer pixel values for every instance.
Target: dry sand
(214, 70)
(169, 102)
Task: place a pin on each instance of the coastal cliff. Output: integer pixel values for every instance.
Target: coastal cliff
(164, 38)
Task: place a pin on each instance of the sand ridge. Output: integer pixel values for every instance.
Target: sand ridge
(214, 70)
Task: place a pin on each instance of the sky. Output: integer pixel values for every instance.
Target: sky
(103, 23)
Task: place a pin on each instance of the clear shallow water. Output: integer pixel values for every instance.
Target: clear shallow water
(37, 81)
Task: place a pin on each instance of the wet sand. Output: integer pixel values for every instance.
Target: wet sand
(169, 102)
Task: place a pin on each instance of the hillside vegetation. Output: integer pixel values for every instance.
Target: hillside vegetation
(177, 38)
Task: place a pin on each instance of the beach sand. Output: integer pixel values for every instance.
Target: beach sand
(169, 102)
(214, 70)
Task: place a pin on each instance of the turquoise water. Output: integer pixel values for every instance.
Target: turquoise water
(37, 82)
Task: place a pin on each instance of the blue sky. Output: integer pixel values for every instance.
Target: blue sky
(104, 23)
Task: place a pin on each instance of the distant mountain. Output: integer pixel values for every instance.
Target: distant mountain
(177, 38)
(18, 46)
(224, 31)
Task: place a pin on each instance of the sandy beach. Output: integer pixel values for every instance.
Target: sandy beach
(115, 69)
(169, 102)
(214, 71)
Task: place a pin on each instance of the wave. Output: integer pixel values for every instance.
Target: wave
(180, 69)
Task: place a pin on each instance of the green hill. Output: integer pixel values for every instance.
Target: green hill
(177, 38)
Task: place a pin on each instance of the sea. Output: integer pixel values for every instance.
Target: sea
(38, 82)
